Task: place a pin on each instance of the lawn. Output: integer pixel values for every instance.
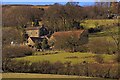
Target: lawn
(76, 57)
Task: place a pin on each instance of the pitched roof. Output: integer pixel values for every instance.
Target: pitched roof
(76, 33)
(35, 38)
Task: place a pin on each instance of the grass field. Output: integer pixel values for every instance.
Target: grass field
(33, 75)
(29, 76)
(76, 57)
(93, 23)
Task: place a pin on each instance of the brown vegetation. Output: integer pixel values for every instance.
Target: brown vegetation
(16, 51)
(82, 69)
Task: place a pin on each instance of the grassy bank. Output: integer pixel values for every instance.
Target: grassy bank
(76, 57)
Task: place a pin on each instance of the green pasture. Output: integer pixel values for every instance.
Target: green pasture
(108, 38)
(93, 23)
(108, 32)
(76, 57)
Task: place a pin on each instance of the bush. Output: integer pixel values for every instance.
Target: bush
(58, 67)
(44, 44)
(94, 30)
(16, 51)
(101, 45)
(17, 66)
(114, 71)
(45, 67)
(82, 48)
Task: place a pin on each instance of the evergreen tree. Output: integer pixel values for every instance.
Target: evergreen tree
(44, 44)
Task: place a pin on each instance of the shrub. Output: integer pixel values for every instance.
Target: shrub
(76, 69)
(44, 44)
(96, 29)
(45, 67)
(5, 62)
(41, 67)
(101, 46)
(82, 48)
(16, 66)
(58, 68)
(68, 68)
(16, 51)
(114, 71)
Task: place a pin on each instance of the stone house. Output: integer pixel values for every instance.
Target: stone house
(35, 34)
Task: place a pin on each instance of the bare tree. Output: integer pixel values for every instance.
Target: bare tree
(20, 15)
(62, 17)
(116, 37)
(11, 34)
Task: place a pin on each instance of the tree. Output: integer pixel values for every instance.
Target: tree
(16, 51)
(114, 7)
(68, 67)
(62, 17)
(72, 43)
(73, 3)
(44, 44)
(74, 13)
(11, 34)
(37, 45)
(20, 15)
(115, 35)
(102, 46)
(68, 42)
(43, 31)
(102, 9)
(53, 21)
